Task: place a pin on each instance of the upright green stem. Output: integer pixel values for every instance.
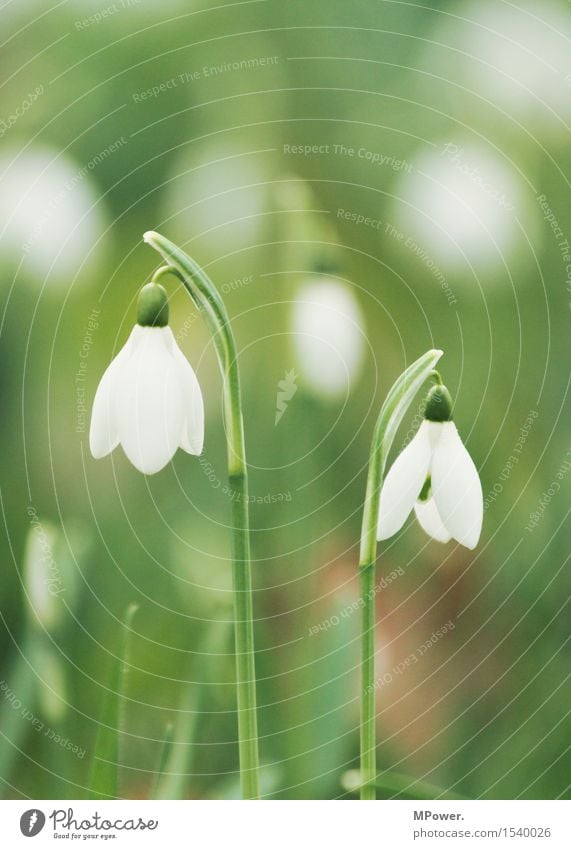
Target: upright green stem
(207, 299)
(243, 618)
(368, 713)
(396, 404)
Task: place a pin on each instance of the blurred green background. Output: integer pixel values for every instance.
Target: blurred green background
(363, 181)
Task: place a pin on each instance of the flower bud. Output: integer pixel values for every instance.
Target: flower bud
(153, 306)
(438, 405)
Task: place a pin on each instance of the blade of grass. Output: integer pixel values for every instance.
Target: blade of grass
(104, 778)
(397, 784)
(177, 770)
(270, 780)
(19, 684)
(164, 760)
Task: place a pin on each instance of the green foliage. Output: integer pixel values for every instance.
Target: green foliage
(208, 162)
(105, 764)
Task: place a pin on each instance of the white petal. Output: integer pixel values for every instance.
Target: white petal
(430, 521)
(456, 488)
(403, 483)
(151, 415)
(192, 438)
(103, 432)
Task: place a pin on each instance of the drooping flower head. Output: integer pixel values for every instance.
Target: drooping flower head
(436, 476)
(149, 399)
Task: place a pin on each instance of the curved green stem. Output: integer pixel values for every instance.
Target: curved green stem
(396, 404)
(209, 302)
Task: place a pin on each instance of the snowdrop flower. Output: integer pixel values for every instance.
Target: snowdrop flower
(515, 55)
(463, 205)
(232, 196)
(149, 399)
(328, 336)
(42, 580)
(436, 476)
(51, 215)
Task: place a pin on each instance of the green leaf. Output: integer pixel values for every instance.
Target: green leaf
(397, 784)
(164, 758)
(175, 763)
(103, 779)
(230, 788)
(19, 682)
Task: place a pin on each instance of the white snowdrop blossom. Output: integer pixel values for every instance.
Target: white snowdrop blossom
(436, 476)
(52, 215)
(463, 205)
(328, 336)
(512, 56)
(149, 399)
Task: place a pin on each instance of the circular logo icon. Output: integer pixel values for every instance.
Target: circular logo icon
(32, 822)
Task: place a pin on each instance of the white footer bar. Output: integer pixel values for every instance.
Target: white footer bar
(283, 825)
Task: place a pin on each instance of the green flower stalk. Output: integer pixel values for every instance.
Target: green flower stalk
(392, 412)
(205, 296)
(150, 402)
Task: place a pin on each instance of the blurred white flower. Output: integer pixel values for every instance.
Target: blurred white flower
(462, 205)
(42, 577)
(149, 401)
(515, 55)
(51, 683)
(328, 336)
(51, 568)
(219, 195)
(49, 215)
(436, 476)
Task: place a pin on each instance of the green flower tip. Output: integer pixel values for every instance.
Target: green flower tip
(153, 306)
(438, 404)
(149, 236)
(326, 267)
(425, 491)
